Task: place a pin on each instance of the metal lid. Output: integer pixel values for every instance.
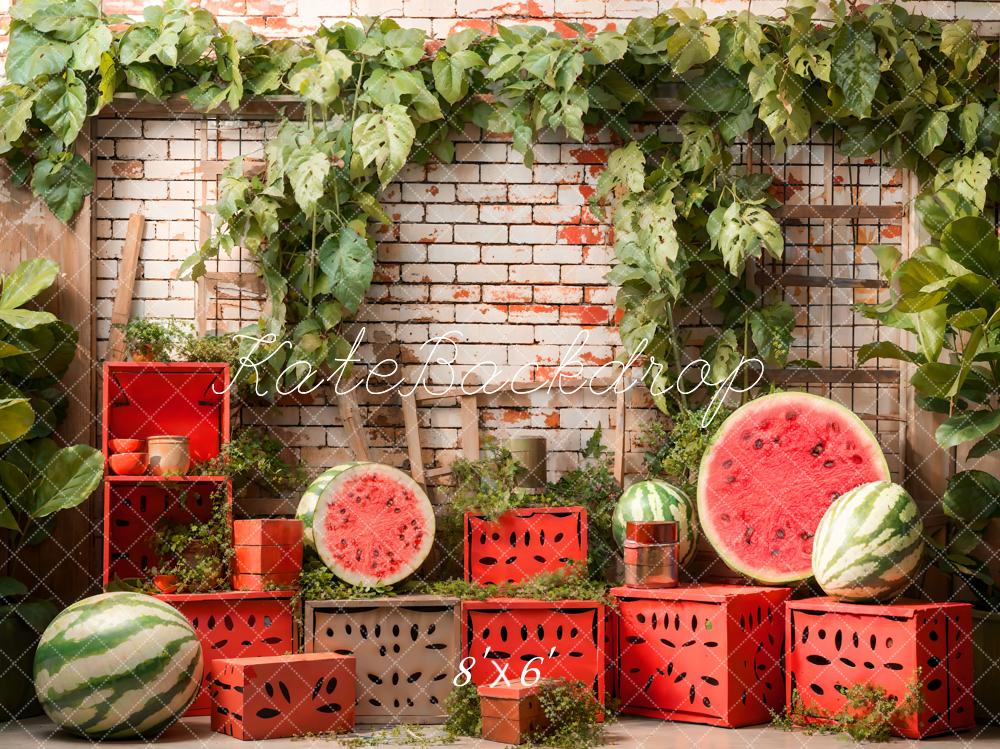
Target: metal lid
(651, 531)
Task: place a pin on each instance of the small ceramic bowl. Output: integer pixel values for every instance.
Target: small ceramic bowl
(126, 445)
(129, 464)
(165, 583)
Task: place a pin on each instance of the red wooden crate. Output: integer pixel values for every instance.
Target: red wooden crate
(135, 506)
(567, 635)
(700, 654)
(278, 697)
(234, 624)
(833, 645)
(511, 714)
(141, 400)
(522, 543)
(268, 532)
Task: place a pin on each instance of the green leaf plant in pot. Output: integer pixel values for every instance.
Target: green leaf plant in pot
(38, 476)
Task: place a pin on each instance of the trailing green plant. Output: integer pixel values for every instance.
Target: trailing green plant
(489, 485)
(868, 715)
(687, 221)
(255, 456)
(38, 477)
(674, 450)
(199, 554)
(151, 340)
(465, 715)
(210, 348)
(318, 583)
(576, 719)
(570, 583)
(593, 486)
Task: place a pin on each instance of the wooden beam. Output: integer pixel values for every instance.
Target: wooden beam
(764, 278)
(469, 434)
(411, 424)
(122, 307)
(128, 106)
(833, 212)
(619, 444)
(831, 376)
(350, 414)
(211, 169)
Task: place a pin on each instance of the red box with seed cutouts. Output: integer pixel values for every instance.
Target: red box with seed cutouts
(292, 695)
(562, 639)
(523, 543)
(700, 654)
(833, 645)
(235, 624)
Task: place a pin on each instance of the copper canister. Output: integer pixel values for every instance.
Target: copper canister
(651, 554)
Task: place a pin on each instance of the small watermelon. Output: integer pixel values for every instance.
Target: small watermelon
(373, 525)
(118, 665)
(769, 474)
(869, 543)
(657, 500)
(307, 505)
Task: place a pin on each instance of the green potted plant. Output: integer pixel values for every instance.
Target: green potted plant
(258, 464)
(150, 341)
(195, 557)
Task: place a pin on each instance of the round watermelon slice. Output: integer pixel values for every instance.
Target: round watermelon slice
(373, 525)
(770, 473)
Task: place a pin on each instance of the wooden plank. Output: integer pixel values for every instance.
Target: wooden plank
(764, 278)
(619, 443)
(350, 414)
(833, 212)
(212, 169)
(411, 423)
(469, 433)
(831, 376)
(209, 284)
(129, 106)
(122, 306)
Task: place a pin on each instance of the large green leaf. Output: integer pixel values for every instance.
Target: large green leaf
(384, 138)
(938, 209)
(27, 281)
(965, 426)
(886, 350)
(931, 133)
(87, 50)
(16, 418)
(856, 69)
(771, 329)
(930, 325)
(68, 479)
(348, 260)
(972, 498)
(63, 186)
(62, 105)
(32, 54)
(307, 174)
(66, 20)
(972, 242)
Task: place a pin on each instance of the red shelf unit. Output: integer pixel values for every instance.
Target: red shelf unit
(141, 400)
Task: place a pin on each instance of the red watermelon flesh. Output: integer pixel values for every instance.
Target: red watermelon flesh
(771, 471)
(373, 525)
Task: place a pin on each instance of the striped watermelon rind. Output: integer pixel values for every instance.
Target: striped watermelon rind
(655, 499)
(118, 665)
(307, 505)
(869, 543)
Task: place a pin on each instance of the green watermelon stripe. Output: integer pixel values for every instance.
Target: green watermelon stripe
(156, 703)
(60, 650)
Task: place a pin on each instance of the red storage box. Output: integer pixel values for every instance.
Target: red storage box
(278, 697)
(268, 554)
(191, 399)
(522, 543)
(236, 625)
(511, 714)
(833, 645)
(700, 654)
(136, 506)
(562, 639)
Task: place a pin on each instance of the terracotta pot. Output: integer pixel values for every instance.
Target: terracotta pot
(143, 354)
(165, 583)
(169, 455)
(126, 445)
(129, 464)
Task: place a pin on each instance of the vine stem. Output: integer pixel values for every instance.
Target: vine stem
(677, 357)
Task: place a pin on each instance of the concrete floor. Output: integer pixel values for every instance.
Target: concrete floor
(627, 733)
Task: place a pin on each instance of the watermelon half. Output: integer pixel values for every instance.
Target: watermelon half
(771, 471)
(373, 525)
(307, 505)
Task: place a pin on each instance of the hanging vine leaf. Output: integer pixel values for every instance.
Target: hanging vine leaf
(348, 260)
(384, 138)
(855, 68)
(62, 105)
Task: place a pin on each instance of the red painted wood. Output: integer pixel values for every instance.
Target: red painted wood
(568, 635)
(268, 532)
(265, 582)
(264, 560)
(235, 624)
(699, 654)
(511, 714)
(831, 644)
(523, 543)
(277, 697)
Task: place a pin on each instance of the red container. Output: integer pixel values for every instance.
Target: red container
(511, 714)
(511, 636)
(266, 560)
(278, 697)
(833, 645)
(236, 625)
(268, 532)
(273, 581)
(700, 654)
(522, 543)
(185, 398)
(128, 464)
(136, 506)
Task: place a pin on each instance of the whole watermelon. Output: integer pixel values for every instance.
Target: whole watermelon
(655, 499)
(868, 544)
(118, 665)
(307, 505)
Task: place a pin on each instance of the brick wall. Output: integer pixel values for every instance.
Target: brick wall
(509, 256)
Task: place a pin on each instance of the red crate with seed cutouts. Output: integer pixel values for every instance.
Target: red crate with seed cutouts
(236, 624)
(700, 654)
(522, 543)
(510, 635)
(833, 645)
(278, 697)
